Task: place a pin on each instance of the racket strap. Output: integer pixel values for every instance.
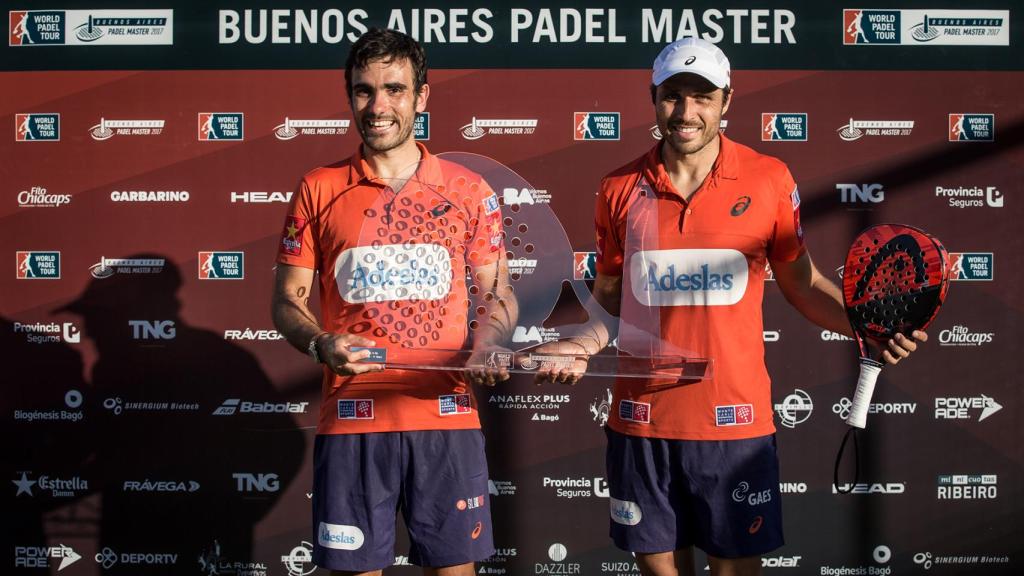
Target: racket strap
(851, 431)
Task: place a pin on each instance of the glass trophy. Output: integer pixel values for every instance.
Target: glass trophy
(457, 260)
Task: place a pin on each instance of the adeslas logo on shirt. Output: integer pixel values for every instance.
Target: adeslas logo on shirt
(393, 272)
(689, 277)
(701, 280)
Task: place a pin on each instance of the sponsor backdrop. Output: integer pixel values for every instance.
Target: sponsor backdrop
(154, 422)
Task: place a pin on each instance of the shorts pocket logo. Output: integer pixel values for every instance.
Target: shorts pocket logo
(625, 512)
(340, 537)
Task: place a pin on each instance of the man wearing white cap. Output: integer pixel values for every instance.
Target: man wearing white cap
(683, 236)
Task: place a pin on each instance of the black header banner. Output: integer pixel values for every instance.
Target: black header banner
(937, 35)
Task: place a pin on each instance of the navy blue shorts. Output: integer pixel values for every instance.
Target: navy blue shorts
(437, 478)
(721, 496)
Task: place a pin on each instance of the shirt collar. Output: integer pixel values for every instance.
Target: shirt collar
(726, 166)
(429, 169)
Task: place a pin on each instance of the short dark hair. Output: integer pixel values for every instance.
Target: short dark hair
(388, 45)
(654, 93)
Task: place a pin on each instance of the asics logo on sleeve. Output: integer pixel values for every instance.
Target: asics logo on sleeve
(688, 277)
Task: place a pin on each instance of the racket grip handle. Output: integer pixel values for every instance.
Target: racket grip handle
(869, 371)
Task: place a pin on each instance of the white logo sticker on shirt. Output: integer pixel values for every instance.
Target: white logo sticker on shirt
(688, 277)
(393, 272)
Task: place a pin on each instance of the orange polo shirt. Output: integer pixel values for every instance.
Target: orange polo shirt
(692, 284)
(392, 268)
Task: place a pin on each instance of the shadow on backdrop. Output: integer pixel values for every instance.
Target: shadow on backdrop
(183, 468)
(44, 413)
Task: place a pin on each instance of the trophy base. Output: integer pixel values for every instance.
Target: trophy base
(677, 369)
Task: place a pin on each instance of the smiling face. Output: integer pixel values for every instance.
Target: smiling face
(385, 102)
(689, 111)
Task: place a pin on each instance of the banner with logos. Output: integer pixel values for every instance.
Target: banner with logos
(156, 422)
(316, 34)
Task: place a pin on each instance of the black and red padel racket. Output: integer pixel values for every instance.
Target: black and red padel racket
(894, 281)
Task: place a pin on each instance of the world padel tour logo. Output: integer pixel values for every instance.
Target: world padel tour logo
(480, 127)
(83, 27)
(38, 265)
(871, 26)
(421, 126)
(595, 126)
(215, 126)
(584, 265)
(222, 265)
(292, 128)
(107, 129)
(972, 266)
(41, 127)
(972, 127)
(783, 126)
(857, 129)
(916, 27)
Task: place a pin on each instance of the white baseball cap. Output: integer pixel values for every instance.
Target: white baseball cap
(695, 56)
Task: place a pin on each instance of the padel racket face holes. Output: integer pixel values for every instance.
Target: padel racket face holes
(895, 285)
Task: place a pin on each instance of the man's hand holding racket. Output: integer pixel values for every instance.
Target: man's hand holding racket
(894, 281)
(898, 347)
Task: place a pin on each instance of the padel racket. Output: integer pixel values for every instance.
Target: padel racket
(894, 281)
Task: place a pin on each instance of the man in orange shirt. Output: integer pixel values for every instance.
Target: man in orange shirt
(392, 232)
(684, 234)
